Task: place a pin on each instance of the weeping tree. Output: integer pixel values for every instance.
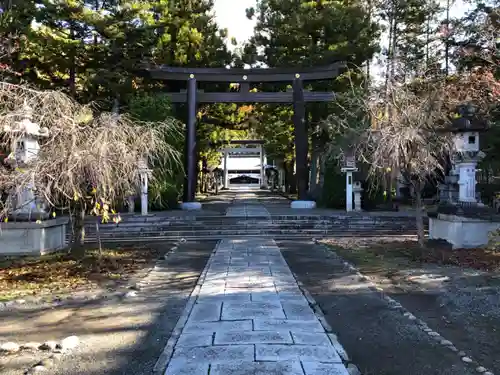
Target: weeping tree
(403, 135)
(88, 161)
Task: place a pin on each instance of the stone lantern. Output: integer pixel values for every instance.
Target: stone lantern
(348, 168)
(463, 221)
(26, 205)
(357, 189)
(465, 129)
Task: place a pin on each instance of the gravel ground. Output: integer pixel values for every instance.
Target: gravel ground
(465, 309)
(117, 337)
(379, 340)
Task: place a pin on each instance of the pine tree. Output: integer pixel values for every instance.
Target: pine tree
(15, 18)
(306, 33)
(94, 48)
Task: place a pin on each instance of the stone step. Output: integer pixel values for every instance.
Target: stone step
(333, 221)
(141, 229)
(249, 222)
(257, 219)
(247, 231)
(91, 239)
(303, 226)
(260, 233)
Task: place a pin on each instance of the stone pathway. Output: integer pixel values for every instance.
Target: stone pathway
(241, 206)
(250, 318)
(247, 210)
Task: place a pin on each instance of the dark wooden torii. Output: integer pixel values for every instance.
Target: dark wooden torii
(298, 96)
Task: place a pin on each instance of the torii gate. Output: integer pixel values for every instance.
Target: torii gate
(244, 77)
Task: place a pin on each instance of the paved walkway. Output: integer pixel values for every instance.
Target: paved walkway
(244, 205)
(250, 318)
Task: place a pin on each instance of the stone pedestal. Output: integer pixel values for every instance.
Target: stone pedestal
(348, 187)
(29, 238)
(303, 204)
(190, 206)
(144, 173)
(348, 192)
(461, 232)
(467, 181)
(263, 180)
(226, 174)
(27, 207)
(144, 194)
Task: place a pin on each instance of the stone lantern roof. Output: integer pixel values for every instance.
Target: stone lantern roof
(26, 126)
(467, 120)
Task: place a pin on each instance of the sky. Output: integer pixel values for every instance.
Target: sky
(231, 15)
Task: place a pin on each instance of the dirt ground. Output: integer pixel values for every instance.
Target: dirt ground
(463, 305)
(119, 336)
(64, 273)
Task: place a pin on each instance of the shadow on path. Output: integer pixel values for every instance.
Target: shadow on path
(117, 337)
(379, 340)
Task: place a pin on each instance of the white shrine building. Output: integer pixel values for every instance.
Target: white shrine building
(244, 164)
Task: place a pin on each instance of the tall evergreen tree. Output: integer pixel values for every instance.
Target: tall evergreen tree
(308, 33)
(93, 48)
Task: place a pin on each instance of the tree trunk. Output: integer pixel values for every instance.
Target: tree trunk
(81, 228)
(447, 40)
(285, 176)
(314, 172)
(388, 188)
(321, 176)
(96, 8)
(419, 217)
(77, 221)
(98, 234)
(72, 69)
(389, 56)
(427, 41)
(367, 79)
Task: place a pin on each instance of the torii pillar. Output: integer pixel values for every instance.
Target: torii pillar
(189, 202)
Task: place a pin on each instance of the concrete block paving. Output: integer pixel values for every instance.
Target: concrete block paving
(250, 318)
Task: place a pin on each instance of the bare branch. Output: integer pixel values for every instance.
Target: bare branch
(83, 152)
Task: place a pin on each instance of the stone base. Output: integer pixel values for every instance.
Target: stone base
(461, 232)
(30, 238)
(190, 206)
(303, 204)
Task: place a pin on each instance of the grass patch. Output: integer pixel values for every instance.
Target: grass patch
(65, 272)
(373, 257)
(387, 257)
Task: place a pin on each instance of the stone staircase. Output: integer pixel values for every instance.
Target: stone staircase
(157, 227)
